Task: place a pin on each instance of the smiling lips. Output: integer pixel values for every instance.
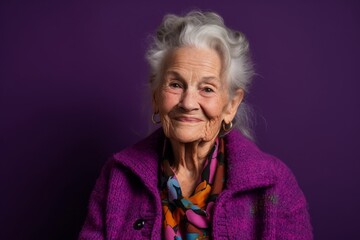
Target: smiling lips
(188, 119)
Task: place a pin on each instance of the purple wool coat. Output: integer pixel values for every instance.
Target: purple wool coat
(261, 198)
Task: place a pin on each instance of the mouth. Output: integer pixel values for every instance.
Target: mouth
(188, 119)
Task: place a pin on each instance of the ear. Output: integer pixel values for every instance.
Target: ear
(233, 105)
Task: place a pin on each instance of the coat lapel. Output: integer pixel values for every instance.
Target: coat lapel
(248, 167)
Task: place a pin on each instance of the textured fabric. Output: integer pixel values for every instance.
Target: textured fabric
(261, 199)
(189, 217)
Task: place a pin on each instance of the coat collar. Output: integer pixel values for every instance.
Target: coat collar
(247, 168)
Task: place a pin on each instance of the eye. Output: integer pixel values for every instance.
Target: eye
(175, 85)
(208, 90)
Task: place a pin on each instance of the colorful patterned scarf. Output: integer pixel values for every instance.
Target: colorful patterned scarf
(189, 218)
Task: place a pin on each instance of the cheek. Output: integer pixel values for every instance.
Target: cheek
(215, 109)
(167, 102)
(215, 114)
(212, 128)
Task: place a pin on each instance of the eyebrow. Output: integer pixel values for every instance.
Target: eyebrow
(178, 75)
(210, 78)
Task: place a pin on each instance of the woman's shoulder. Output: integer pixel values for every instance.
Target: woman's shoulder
(249, 165)
(254, 171)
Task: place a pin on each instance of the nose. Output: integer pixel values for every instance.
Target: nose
(188, 101)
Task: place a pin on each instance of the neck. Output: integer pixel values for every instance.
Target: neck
(189, 158)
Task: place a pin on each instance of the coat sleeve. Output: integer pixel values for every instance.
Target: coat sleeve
(94, 226)
(293, 221)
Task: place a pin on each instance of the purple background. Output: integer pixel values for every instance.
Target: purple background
(73, 91)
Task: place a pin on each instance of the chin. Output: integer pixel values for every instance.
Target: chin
(183, 135)
(189, 135)
(185, 138)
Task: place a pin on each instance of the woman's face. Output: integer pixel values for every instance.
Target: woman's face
(193, 99)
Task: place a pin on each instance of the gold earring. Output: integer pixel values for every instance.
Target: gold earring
(153, 119)
(227, 127)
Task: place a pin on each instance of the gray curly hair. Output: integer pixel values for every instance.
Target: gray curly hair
(206, 30)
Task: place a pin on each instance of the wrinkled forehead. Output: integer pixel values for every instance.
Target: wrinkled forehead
(204, 62)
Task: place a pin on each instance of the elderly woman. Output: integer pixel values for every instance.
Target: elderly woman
(199, 176)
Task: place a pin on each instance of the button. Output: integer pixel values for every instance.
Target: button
(139, 224)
